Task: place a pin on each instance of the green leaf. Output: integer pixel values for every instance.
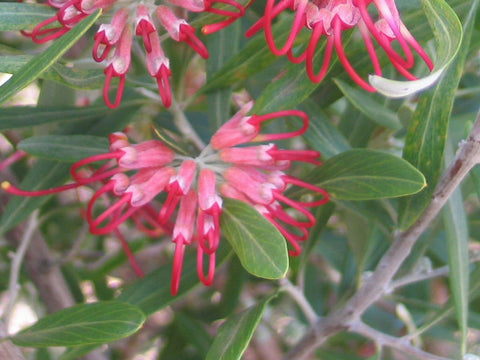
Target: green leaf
(223, 44)
(83, 324)
(67, 148)
(73, 76)
(26, 116)
(448, 32)
(235, 334)
(322, 135)
(39, 64)
(365, 103)
(21, 16)
(261, 248)
(426, 136)
(364, 174)
(456, 228)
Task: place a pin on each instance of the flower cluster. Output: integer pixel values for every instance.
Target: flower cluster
(133, 175)
(329, 19)
(113, 41)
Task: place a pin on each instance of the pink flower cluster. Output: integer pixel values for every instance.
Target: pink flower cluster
(113, 41)
(134, 175)
(329, 19)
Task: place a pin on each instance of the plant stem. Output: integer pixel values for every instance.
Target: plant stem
(378, 283)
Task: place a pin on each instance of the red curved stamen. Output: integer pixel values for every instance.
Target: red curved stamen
(170, 204)
(177, 265)
(129, 253)
(383, 41)
(97, 175)
(187, 34)
(61, 15)
(110, 72)
(296, 59)
(297, 182)
(276, 10)
(283, 216)
(38, 33)
(370, 48)
(310, 54)
(258, 119)
(291, 238)
(16, 156)
(117, 206)
(337, 35)
(8, 187)
(144, 28)
(211, 267)
(309, 156)
(296, 27)
(101, 39)
(163, 83)
(296, 205)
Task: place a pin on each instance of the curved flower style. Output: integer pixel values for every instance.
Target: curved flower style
(330, 18)
(135, 174)
(113, 41)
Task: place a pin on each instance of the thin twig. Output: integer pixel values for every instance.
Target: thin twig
(300, 299)
(400, 344)
(184, 126)
(17, 260)
(376, 285)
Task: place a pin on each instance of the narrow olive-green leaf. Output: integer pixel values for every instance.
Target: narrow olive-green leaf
(364, 174)
(83, 324)
(39, 64)
(259, 245)
(235, 334)
(73, 76)
(68, 148)
(22, 16)
(456, 229)
(368, 106)
(286, 91)
(26, 116)
(322, 135)
(425, 141)
(254, 57)
(223, 44)
(447, 30)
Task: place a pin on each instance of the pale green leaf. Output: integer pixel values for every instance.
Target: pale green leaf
(261, 248)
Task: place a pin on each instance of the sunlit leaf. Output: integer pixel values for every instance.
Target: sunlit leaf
(68, 148)
(39, 64)
(234, 335)
(261, 248)
(83, 324)
(364, 174)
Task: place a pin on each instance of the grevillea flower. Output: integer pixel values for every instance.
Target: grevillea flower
(328, 19)
(133, 175)
(113, 41)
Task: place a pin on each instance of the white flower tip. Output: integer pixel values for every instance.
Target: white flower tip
(398, 89)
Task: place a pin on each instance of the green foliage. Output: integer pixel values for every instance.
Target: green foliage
(83, 324)
(381, 161)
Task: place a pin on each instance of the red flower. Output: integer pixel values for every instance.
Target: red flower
(113, 41)
(329, 19)
(134, 175)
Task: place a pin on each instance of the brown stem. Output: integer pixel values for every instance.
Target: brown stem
(376, 285)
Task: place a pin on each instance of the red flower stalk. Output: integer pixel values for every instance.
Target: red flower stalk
(134, 175)
(329, 19)
(113, 41)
